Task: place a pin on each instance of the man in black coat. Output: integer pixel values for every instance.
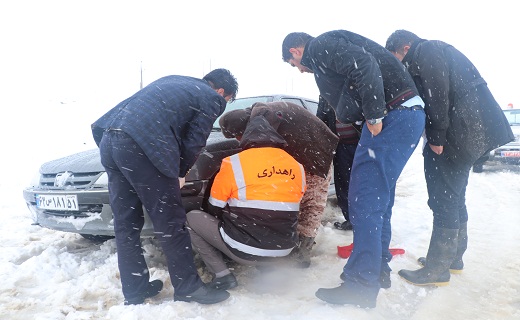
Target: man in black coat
(363, 82)
(464, 122)
(148, 143)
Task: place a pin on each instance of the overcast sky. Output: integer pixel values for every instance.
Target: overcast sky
(77, 50)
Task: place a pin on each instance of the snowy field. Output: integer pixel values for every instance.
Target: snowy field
(54, 275)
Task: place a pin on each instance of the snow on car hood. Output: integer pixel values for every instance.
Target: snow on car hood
(90, 160)
(86, 161)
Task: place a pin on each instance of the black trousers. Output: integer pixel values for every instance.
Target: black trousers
(343, 160)
(446, 182)
(133, 181)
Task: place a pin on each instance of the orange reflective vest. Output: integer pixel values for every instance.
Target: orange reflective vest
(260, 190)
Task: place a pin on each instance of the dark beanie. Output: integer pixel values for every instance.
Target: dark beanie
(233, 123)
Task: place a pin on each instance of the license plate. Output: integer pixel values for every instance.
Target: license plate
(508, 154)
(67, 202)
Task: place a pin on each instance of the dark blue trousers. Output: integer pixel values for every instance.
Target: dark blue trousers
(446, 182)
(133, 181)
(342, 167)
(378, 162)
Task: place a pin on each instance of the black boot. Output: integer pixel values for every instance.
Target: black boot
(203, 295)
(345, 295)
(457, 265)
(154, 287)
(384, 279)
(441, 253)
(226, 282)
(346, 225)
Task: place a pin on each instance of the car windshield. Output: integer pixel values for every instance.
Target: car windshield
(513, 116)
(241, 103)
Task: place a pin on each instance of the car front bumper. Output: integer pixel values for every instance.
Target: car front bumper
(95, 216)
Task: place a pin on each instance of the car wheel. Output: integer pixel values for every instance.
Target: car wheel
(96, 238)
(478, 168)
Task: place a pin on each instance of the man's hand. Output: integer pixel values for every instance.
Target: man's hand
(436, 149)
(375, 129)
(182, 181)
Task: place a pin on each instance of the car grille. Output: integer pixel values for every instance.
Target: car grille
(84, 210)
(80, 180)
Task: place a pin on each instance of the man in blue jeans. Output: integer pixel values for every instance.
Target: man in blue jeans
(364, 82)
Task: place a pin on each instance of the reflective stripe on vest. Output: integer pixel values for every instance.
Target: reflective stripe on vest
(239, 176)
(252, 250)
(242, 201)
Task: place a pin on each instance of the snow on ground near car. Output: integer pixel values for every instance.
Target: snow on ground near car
(54, 275)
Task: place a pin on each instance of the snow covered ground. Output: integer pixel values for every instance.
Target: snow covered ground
(54, 275)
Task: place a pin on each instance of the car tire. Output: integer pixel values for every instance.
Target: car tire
(478, 168)
(96, 238)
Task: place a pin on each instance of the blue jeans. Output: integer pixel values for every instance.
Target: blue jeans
(342, 167)
(378, 162)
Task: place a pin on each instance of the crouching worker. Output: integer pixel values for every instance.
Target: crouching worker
(312, 144)
(253, 206)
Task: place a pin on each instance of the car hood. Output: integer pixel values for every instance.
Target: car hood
(85, 161)
(90, 160)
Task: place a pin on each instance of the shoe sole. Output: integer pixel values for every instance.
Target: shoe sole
(340, 302)
(452, 271)
(429, 284)
(455, 271)
(199, 301)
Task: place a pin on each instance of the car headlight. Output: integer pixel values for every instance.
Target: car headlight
(102, 180)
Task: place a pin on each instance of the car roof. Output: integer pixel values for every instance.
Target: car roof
(245, 102)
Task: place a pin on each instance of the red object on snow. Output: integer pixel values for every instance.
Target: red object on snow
(345, 251)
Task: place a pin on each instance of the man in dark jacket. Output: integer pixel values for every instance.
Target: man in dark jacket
(254, 201)
(464, 122)
(148, 143)
(362, 81)
(311, 143)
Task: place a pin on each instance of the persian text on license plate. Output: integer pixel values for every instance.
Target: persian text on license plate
(68, 202)
(515, 154)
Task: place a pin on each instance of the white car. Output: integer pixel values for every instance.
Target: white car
(508, 153)
(71, 193)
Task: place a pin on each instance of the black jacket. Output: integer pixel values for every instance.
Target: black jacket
(170, 119)
(462, 114)
(309, 140)
(358, 77)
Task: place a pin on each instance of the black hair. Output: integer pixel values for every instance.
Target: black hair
(399, 39)
(294, 40)
(222, 78)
